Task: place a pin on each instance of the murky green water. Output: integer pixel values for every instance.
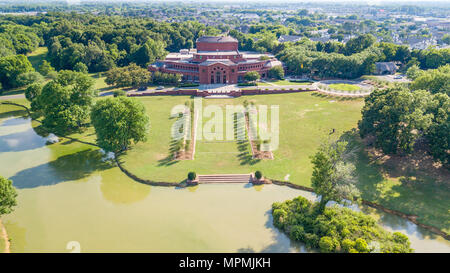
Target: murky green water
(67, 193)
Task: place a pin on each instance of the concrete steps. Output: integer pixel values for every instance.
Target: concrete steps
(224, 178)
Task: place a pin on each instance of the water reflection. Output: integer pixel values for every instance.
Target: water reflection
(66, 168)
(120, 191)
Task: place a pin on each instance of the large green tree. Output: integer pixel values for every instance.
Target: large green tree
(433, 80)
(66, 102)
(396, 117)
(11, 67)
(333, 176)
(276, 72)
(8, 196)
(252, 76)
(128, 76)
(118, 122)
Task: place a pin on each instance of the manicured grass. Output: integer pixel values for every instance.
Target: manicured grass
(37, 57)
(305, 119)
(344, 87)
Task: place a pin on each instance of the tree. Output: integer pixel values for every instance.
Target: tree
(81, 67)
(118, 121)
(359, 43)
(433, 80)
(8, 196)
(165, 78)
(28, 78)
(438, 133)
(252, 76)
(276, 72)
(11, 67)
(332, 176)
(33, 91)
(149, 52)
(413, 72)
(396, 117)
(45, 68)
(131, 75)
(66, 101)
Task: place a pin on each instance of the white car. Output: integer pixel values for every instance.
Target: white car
(398, 77)
(160, 87)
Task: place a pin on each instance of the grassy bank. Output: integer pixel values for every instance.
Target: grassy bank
(305, 120)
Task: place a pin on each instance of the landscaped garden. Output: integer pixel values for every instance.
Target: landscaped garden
(344, 87)
(305, 120)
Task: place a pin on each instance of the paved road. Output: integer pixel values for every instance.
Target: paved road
(9, 97)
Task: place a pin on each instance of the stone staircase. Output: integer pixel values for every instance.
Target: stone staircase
(224, 178)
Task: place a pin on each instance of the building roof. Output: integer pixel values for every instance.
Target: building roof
(216, 39)
(385, 66)
(214, 61)
(289, 38)
(273, 64)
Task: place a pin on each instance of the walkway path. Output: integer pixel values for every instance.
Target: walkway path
(9, 97)
(224, 178)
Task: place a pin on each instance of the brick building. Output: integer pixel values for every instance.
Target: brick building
(216, 60)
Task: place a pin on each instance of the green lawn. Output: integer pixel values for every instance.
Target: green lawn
(37, 57)
(344, 87)
(305, 120)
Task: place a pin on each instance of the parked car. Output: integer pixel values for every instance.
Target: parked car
(398, 77)
(142, 88)
(160, 87)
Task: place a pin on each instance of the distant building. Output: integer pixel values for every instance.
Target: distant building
(215, 60)
(289, 38)
(385, 68)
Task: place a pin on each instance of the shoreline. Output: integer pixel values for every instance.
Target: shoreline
(4, 236)
(412, 218)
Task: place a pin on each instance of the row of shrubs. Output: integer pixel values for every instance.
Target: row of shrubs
(337, 229)
(247, 84)
(188, 84)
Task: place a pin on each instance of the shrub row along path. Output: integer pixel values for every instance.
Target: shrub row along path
(412, 218)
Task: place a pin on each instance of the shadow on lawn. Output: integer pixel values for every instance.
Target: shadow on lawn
(245, 157)
(398, 185)
(338, 98)
(170, 159)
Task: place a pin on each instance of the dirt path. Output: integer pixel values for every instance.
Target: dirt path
(4, 236)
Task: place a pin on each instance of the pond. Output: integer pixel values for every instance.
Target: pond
(67, 194)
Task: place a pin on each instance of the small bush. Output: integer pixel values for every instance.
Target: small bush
(258, 175)
(119, 93)
(191, 175)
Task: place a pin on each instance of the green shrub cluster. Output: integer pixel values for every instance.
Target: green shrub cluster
(337, 229)
(188, 84)
(247, 84)
(192, 175)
